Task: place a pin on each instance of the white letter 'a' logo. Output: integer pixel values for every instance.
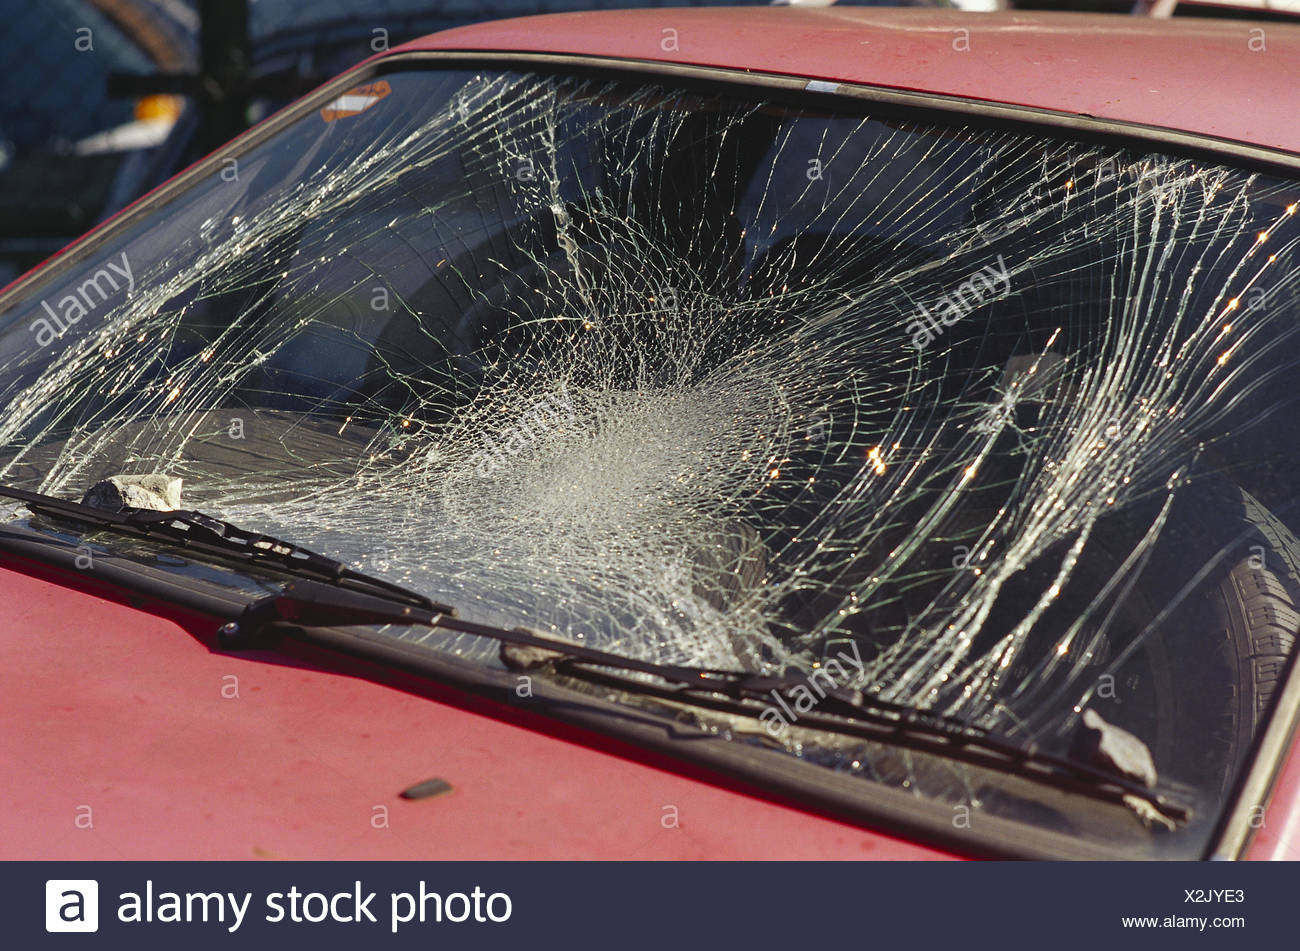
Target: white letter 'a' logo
(72, 904)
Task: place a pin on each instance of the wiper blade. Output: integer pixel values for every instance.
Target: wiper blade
(840, 710)
(327, 593)
(210, 535)
(850, 713)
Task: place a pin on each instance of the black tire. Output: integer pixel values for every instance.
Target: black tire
(1227, 645)
(1198, 687)
(1257, 622)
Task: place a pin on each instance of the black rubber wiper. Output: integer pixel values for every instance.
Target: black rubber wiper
(839, 710)
(851, 713)
(327, 593)
(212, 536)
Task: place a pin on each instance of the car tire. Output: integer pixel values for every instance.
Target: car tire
(1257, 621)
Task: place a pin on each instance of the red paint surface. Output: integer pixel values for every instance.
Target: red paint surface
(120, 710)
(1193, 75)
(1277, 832)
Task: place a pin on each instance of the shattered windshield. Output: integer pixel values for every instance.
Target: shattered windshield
(972, 419)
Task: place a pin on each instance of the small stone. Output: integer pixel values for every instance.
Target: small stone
(427, 789)
(160, 493)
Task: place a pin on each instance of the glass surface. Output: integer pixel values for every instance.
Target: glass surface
(975, 420)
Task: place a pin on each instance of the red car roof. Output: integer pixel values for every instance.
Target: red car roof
(1226, 78)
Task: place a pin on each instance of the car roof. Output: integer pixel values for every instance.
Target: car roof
(1226, 78)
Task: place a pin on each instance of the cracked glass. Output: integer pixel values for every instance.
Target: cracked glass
(974, 420)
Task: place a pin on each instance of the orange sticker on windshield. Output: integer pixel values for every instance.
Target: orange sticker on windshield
(355, 100)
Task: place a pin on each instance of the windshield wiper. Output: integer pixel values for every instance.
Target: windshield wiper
(849, 712)
(213, 536)
(307, 604)
(327, 593)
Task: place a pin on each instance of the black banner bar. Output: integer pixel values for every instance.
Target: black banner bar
(648, 905)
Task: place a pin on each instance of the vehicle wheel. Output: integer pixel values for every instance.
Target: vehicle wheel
(1256, 621)
(1221, 653)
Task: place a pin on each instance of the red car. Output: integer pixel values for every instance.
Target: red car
(679, 434)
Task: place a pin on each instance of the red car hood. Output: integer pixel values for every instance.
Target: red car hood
(128, 738)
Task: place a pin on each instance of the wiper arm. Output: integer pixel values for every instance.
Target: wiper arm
(742, 693)
(210, 535)
(850, 713)
(327, 593)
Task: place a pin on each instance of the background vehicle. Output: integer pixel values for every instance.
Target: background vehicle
(106, 99)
